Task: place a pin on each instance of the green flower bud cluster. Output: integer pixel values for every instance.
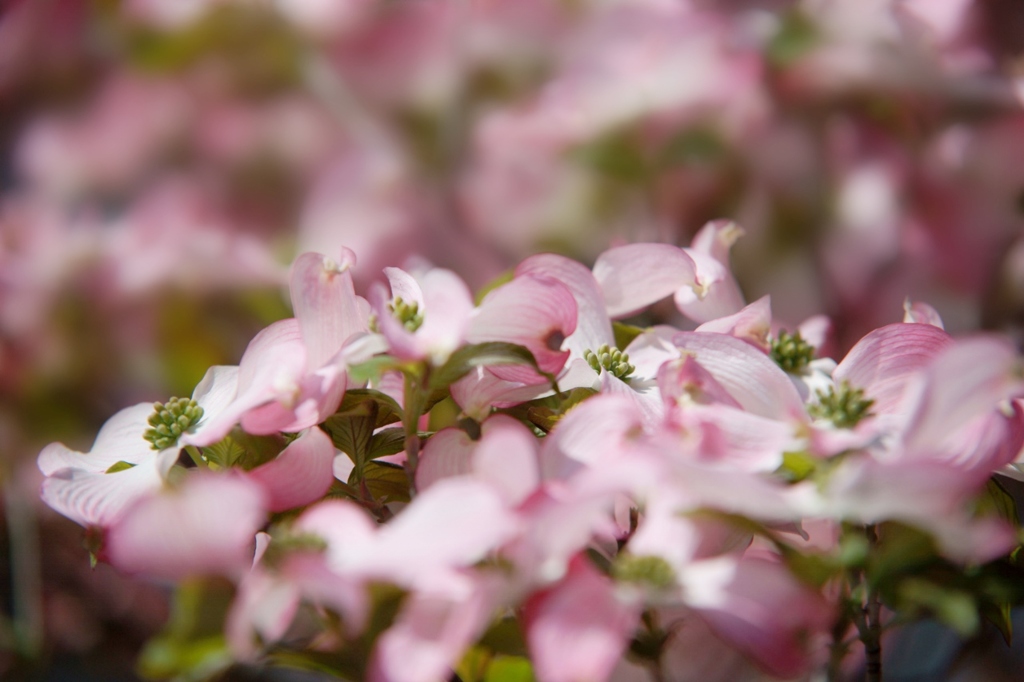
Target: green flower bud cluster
(612, 360)
(649, 571)
(171, 419)
(408, 313)
(845, 407)
(791, 352)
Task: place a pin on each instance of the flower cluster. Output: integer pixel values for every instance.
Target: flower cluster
(415, 484)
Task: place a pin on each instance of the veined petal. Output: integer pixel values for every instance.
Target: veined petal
(506, 457)
(99, 499)
(404, 286)
(325, 304)
(120, 439)
(447, 306)
(633, 276)
(750, 376)
(760, 608)
(882, 362)
(752, 324)
(971, 377)
(447, 454)
(436, 625)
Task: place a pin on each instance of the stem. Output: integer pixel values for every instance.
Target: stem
(840, 644)
(196, 457)
(25, 570)
(413, 403)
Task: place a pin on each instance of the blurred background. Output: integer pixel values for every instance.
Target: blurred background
(162, 162)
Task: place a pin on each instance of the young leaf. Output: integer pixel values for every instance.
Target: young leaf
(386, 482)
(352, 432)
(388, 410)
(372, 369)
(386, 442)
(625, 333)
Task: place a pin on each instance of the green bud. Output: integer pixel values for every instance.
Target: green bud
(845, 407)
(648, 571)
(791, 351)
(611, 360)
(407, 313)
(170, 420)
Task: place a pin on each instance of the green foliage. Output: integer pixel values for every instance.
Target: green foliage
(625, 333)
(996, 501)
(796, 37)
(192, 645)
(388, 410)
(503, 278)
(386, 482)
(120, 465)
(241, 449)
(350, 661)
(796, 466)
(544, 413)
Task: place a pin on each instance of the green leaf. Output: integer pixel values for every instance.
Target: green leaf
(192, 645)
(796, 466)
(544, 413)
(503, 278)
(241, 449)
(796, 37)
(625, 333)
(617, 156)
(352, 433)
(386, 482)
(486, 354)
(997, 501)
(505, 636)
(387, 442)
(952, 607)
(224, 453)
(119, 466)
(1001, 616)
(811, 568)
(374, 368)
(509, 669)
(901, 550)
(388, 410)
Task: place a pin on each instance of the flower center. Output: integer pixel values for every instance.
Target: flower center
(844, 406)
(408, 313)
(611, 360)
(649, 571)
(791, 351)
(171, 419)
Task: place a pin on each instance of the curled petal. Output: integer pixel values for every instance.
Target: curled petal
(633, 276)
(881, 363)
(593, 328)
(535, 312)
